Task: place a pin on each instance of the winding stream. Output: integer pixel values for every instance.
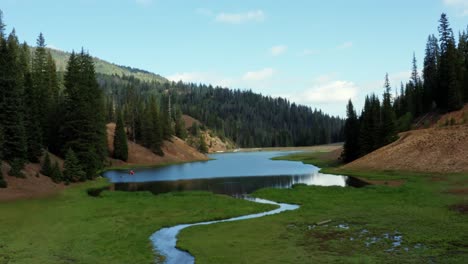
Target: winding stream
(165, 240)
(234, 174)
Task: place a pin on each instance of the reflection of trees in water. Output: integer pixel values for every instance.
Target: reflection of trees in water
(234, 186)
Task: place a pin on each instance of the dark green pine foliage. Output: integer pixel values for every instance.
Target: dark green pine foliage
(120, 139)
(55, 173)
(388, 120)
(3, 183)
(17, 165)
(449, 89)
(151, 127)
(12, 105)
(32, 124)
(42, 96)
(369, 136)
(46, 168)
(72, 170)
(430, 73)
(351, 149)
(179, 128)
(463, 51)
(166, 118)
(417, 88)
(83, 128)
(202, 147)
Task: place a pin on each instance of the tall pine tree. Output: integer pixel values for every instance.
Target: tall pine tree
(351, 149)
(120, 139)
(388, 119)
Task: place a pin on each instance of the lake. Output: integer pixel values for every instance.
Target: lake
(234, 174)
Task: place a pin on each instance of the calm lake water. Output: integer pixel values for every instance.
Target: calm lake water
(228, 173)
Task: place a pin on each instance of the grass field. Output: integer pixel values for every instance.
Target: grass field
(412, 223)
(73, 227)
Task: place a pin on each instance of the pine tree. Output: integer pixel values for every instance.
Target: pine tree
(83, 127)
(17, 165)
(3, 183)
(46, 168)
(179, 128)
(12, 108)
(151, 127)
(430, 73)
(55, 173)
(351, 149)
(166, 118)
(120, 139)
(203, 148)
(388, 119)
(72, 170)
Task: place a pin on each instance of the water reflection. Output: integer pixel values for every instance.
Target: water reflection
(234, 186)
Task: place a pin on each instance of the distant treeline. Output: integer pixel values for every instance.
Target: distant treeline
(443, 87)
(249, 119)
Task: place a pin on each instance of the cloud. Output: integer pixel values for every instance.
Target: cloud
(260, 75)
(144, 2)
(278, 50)
(239, 18)
(326, 90)
(460, 5)
(346, 45)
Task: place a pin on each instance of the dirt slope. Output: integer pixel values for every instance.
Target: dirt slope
(34, 184)
(175, 151)
(437, 149)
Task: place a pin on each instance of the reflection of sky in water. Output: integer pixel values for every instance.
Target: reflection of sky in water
(232, 174)
(240, 164)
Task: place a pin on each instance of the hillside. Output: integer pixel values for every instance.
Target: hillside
(175, 151)
(104, 67)
(440, 148)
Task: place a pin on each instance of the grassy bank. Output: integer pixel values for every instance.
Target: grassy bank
(73, 227)
(411, 223)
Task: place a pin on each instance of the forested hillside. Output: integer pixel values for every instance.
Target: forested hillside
(442, 88)
(249, 119)
(104, 67)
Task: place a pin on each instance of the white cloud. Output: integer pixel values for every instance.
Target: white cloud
(326, 90)
(278, 50)
(347, 44)
(460, 5)
(144, 2)
(239, 18)
(260, 75)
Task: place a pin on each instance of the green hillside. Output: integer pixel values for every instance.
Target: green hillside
(108, 68)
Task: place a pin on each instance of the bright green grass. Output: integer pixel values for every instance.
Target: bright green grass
(73, 227)
(418, 210)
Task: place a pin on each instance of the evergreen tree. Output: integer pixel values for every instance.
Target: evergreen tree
(17, 165)
(12, 107)
(120, 139)
(46, 168)
(430, 73)
(388, 119)
(55, 173)
(31, 121)
(152, 129)
(166, 118)
(83, 128)
(203, 148)
(42, 96)
(179, 128)
(72, 170)
(351, 149)
(3, 183)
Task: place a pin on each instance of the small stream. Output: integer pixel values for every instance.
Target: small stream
(165, 240)
(233, 174)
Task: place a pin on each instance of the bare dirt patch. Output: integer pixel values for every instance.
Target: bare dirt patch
(439, 150)
(174, 151)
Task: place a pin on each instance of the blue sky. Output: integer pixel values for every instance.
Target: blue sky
(318, 53)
